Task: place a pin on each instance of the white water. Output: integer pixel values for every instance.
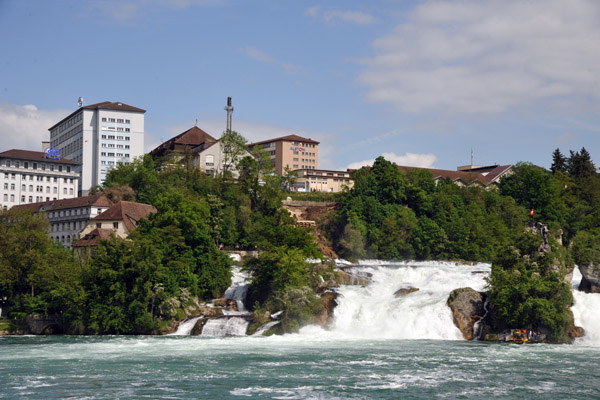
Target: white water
(373, 312)
(238, 289)
(586, 311)
(230, 326)
(185, 328)
(265, 327)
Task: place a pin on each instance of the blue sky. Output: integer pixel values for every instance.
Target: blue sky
(420, 82)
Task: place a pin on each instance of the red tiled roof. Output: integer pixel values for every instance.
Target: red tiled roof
(109, 105)
(105, 105)
(192, 137)
(34, 156)
(127, 211)
(98, 200)
(93, 238)
(289, 138)
(466, 177)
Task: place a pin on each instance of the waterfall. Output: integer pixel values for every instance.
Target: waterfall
(238, 289)
(585, 311)
(265, 327)
(477, 328)
(185, 328)
(228, 326)
(375, 311)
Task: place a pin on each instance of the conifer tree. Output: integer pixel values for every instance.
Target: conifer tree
(559, 162)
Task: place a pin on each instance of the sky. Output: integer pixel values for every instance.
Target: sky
(419, 82)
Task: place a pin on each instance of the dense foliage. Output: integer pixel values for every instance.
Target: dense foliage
(392, 215)
(141, 284)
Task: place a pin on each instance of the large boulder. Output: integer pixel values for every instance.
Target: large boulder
(326, 313)
(590, 281)
(467, 307)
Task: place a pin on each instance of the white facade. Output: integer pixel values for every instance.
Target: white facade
(66, 224)
(28, 177)
(100, 136)
(210, 159)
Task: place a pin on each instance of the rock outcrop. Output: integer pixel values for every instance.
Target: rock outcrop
(590, 281)
(348, 276)
(403, 291)
(329, 303)
(467, 307)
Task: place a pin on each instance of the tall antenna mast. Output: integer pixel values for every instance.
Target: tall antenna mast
(229, 109)
(472, 156)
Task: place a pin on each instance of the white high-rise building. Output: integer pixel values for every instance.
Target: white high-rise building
(32, 176)
(99, 136)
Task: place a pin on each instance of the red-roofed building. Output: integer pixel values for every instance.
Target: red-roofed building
(28, 177)
(484, 176)
(185, 141)
(68, 217)
(118, 220)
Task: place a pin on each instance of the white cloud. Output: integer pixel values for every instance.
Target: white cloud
(25, 127)
(263, 57)
(408, 159)
(258, 55)
(488, 56)
(353, 17)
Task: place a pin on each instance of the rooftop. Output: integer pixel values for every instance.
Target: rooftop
(35, 156)
(97, 200)
(127, 211)
(289, 138)
(193, 137)
(105, 105)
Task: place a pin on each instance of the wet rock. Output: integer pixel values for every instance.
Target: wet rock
(405, 290)
(590, 281)
(467, 307)
(349, 277)
(329, 303)
(197, 329)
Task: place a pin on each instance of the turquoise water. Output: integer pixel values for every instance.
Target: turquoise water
(309, 365)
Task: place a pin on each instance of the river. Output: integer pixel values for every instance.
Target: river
(378, 347)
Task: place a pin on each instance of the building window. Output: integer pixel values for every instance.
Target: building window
(98, 225)
(23, 199)
(103, 119)
(12, 198)
(8, 163)
(68, 168)
(116, 225)
(6, 186)
(23, 187)
(119, 121)
(111, 120)
(12, 186)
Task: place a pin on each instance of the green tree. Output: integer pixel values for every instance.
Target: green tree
(233, 146)
(559, 162)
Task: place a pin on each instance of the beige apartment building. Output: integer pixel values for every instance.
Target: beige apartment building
(292, 151)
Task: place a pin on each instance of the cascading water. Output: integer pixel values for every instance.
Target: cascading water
(585, 311)
(374, 311)
(239, 288)
(185, 328)
(228, 326)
